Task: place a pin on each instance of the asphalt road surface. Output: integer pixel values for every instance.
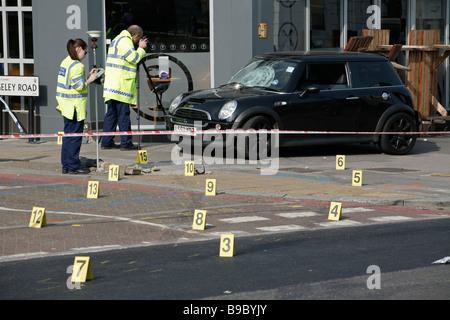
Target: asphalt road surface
(322, 264)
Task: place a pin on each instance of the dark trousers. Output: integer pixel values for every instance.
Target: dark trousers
(118, 114)
(70, 151)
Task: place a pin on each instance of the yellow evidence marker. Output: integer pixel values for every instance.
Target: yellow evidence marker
(199, 222)
(340, 162)
(211, 189)
(82, 269)
(335, 213)
(59, 140)
(93, 190)
(357, 178)
(189, 168)
(38, 218)
(114, 173)
(227, 249)
(142, 157)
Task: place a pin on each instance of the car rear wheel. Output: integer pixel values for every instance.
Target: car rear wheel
(398, 144)
(255, 146)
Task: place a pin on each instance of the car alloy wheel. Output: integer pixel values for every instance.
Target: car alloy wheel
(402, 143)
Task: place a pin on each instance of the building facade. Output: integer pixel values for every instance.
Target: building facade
(199, 43)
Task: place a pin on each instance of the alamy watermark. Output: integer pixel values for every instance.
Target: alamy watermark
(374, 281)
(227, 148)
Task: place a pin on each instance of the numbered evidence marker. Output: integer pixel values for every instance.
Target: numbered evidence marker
(114, 173)
(199, 222)
(59, 140)
(82, 269)
(38, 218)
(340, 162)
(142, 157)
(210, 189)
(189, 168)
(227, 249)
(357, 178)
(93, 190)
(335, 213)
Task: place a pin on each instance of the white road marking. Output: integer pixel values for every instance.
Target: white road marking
(340, 223)
(244, 219)
(292, 215)
(285, 228)
(351, 210)
(390, 218)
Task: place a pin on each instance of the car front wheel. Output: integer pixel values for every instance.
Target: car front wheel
(256, 146)
(401, 143)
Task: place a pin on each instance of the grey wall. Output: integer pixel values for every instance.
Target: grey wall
(235, 37)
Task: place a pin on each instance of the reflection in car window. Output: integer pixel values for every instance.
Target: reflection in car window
(271, 74)
(374, 74)
(326, 76)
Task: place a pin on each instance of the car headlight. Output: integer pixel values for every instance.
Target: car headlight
(227, 110)
(175, 103)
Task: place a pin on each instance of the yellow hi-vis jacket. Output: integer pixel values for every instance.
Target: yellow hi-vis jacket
(121, 68)
(72, 89)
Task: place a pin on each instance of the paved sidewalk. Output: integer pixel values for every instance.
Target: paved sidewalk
(413, 184)
(157, 206)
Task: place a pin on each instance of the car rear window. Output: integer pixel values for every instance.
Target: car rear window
(373, 74)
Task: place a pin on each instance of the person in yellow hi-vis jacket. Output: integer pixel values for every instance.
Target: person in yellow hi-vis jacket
(72, 95)
(120, 87)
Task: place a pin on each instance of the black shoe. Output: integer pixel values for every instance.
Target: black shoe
(129, 148)
(80, 171)
(65, 171)
(115, 146)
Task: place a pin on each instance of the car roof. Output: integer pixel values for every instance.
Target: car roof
(323, 56)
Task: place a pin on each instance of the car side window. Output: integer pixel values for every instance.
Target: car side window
(373, 74)
(327, 76)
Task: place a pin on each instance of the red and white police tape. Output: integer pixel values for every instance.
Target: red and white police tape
(200, 132)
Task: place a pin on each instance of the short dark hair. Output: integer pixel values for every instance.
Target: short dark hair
(135, 30)
(72, 46)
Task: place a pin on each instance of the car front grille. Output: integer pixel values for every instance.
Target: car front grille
(189, 113)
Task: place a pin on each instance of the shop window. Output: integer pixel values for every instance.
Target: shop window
(16, 48)
(325, 24)
(289, 25)
(171, 26)
(393, 18)
(357, 17)
(13, 35)
(431, 15)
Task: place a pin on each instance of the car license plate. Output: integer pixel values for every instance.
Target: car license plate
(186, 130)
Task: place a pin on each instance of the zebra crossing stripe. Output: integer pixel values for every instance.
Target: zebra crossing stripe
(244, 219)
(291, 227)
(390, 218)
(292, 215)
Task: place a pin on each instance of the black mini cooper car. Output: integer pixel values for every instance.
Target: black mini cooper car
(308, 91)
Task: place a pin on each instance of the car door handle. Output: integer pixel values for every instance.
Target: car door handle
(352, 98)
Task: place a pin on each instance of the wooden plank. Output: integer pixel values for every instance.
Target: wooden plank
(358, 43)
(439, 107)
(396, 48)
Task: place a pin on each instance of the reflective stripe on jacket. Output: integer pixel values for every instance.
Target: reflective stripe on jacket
(72, 89)
(121, 68)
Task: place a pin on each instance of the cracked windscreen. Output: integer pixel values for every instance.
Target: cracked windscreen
(266, 74)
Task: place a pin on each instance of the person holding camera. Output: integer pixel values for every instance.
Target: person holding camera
(72, 95)
(120, 86)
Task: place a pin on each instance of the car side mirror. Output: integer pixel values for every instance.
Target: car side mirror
(310, 89)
